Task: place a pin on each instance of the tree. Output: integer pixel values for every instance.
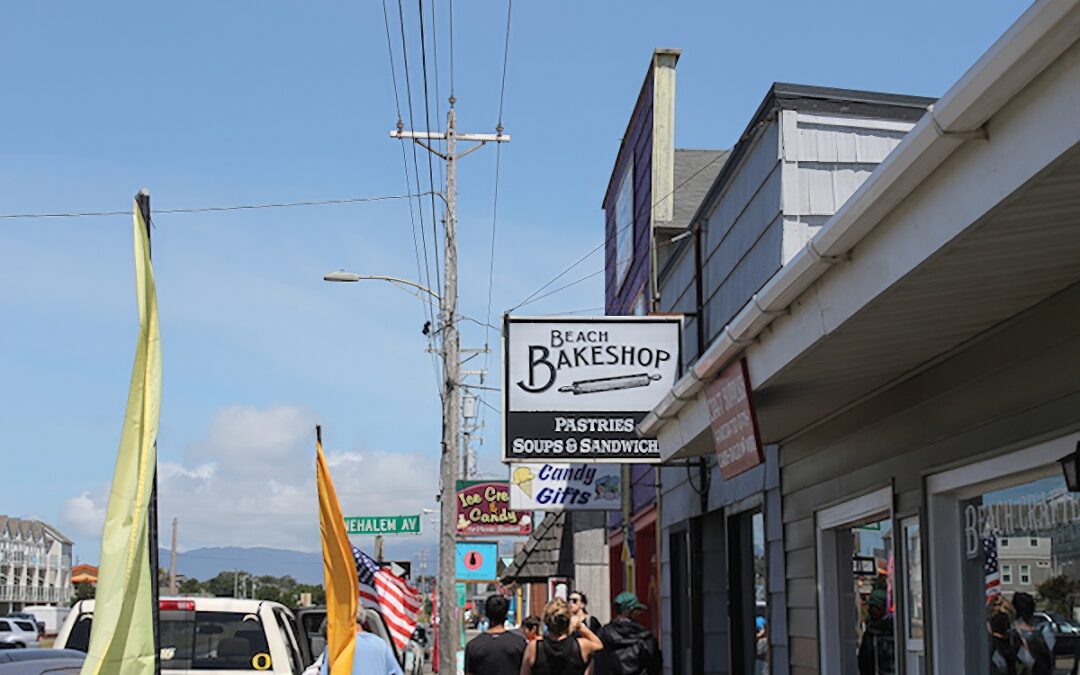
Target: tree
(84, 591)
(223, 585)
(1057, 593)
(190, 586)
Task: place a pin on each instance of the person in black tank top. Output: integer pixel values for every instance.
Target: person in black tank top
(561, 651)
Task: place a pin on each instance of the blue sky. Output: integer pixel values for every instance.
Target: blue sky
(248, 102)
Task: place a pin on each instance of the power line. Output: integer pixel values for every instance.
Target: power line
(506, 57)
(607, 239)
(427, 122)
(416, 162)
(211, 209)
(423, 275)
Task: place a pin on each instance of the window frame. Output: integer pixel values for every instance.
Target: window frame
(1006, 574)
(1027, 461)
(872, 506)
(1025, 574)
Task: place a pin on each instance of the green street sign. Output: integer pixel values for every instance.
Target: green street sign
(460, 588)
(383, 525)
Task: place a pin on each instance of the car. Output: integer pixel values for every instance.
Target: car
(209, 635)
(27, 616)
(41, 662)
(18, 633)
(1066, 634)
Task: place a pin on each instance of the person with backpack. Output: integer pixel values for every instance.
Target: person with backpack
(629, 647)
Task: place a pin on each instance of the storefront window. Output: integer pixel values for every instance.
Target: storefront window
(915, 612)
(1022, 564)
(874, 604)
(750, 609)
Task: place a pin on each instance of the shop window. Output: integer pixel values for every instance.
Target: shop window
(856, 599)
(1005, 609)
(681, 602)
(749, 594)
(914, 609)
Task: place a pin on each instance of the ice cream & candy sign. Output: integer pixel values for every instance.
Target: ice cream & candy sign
(483, 509)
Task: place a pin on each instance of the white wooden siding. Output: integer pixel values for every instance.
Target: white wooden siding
(825, 160)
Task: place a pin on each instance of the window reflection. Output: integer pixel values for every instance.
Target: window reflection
(1023, 543)
(875, 606)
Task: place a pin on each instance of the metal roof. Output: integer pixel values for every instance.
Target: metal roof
(541, 557)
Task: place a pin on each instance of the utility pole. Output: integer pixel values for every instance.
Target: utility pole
(378, 548)
(451, 397)
(142, 200)
(172, 566)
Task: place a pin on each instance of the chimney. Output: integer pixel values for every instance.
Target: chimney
(663, 145)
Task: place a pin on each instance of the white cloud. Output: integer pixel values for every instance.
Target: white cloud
(251, 482)
(84, 515)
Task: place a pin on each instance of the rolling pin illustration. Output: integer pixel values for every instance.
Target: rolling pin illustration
(603, 384)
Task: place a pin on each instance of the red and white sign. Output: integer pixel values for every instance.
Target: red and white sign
(734, 425)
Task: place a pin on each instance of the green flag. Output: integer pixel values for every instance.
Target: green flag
(122, 639)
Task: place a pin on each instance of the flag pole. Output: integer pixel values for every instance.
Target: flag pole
(143, 200)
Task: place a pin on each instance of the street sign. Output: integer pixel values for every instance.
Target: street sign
(460, 588)
(477, 561)
(575, 388)
(383, 525)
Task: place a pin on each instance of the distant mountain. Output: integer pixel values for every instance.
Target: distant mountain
(307, 568)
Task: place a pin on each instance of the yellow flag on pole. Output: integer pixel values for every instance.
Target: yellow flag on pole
(339, 572)
(122, 639)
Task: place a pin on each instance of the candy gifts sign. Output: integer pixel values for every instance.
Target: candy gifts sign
(483, 509)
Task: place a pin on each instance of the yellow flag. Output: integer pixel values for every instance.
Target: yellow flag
(339, 572)
(122, 639)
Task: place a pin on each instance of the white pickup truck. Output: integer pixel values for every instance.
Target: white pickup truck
(208, 636)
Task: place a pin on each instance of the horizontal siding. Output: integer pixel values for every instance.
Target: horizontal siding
(952, 413)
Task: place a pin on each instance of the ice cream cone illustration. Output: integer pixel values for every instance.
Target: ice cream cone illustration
(523, 478)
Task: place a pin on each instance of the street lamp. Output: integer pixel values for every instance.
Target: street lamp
(1070, 466)
(343, 276)
(451, 433)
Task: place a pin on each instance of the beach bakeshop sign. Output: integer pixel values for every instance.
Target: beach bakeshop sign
(576, 388)
(483, 509)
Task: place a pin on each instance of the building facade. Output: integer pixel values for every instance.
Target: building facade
(914, 366)
(35, 565)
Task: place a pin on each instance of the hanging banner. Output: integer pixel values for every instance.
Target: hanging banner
(733, 422)
(576, 388)
(483, 509)
(565, 487)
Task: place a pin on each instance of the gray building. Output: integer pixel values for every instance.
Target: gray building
(914, 363)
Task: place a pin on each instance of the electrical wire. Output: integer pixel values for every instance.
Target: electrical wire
(212, 209)
(427, 122)
(506, 58)
(612, 236)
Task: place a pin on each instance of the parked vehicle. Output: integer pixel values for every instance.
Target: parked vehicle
(48, 617)
(18, 633)
(41, 662)
(1066, 634)
(27, 616)
(209, 635)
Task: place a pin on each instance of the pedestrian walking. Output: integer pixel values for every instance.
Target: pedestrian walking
(579, 609)
(531, 627)
(561, 651)
(629, 647)
(1038, 638)
(496, 651)
(877, 649)
(371, 654)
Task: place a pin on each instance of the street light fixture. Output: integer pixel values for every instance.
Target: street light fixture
(343, 276)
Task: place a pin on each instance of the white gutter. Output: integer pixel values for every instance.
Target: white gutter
(1036, 40)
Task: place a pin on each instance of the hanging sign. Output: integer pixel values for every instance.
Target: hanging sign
(733, 422)
(576, 388)
(483, 509)
(565, 487)
(476, 561)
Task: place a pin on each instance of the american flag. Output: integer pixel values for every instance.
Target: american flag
(990, 565)
(382, 590)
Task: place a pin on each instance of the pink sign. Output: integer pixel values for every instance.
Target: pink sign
(734, 425)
